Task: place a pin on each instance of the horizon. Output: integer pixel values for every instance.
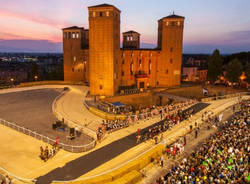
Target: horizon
(228, 29)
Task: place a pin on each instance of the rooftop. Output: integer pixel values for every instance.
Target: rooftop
(103, 5)
(73, 27)
(129, 32)
(173, 16)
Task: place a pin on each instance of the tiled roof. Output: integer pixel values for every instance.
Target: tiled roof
(73, 27)
(131, 31)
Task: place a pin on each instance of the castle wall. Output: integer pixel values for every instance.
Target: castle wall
(96, 57)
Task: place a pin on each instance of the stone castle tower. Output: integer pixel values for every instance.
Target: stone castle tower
(170, 41)
(104, 50)
(94, 56)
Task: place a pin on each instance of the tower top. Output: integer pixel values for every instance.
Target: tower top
(173, 16)
(130, 32)
(104, 6)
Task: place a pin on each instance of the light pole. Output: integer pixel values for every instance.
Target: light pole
(35, 77)
(12, 81)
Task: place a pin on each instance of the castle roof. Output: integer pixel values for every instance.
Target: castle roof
(73, 27)
(130, 32)
(173, 16)
(103, 5)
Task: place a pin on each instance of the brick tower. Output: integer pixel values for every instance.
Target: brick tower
(131, 40)
(104, 49)
(75, 54)
(170, 40)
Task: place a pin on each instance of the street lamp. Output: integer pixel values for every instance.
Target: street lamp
(36, 77)
(243, 77)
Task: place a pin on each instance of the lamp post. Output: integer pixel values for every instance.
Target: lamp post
(35, 77)
(12, 81)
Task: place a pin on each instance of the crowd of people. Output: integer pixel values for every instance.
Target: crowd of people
(46, 153)
(5, 179)
(222, 158)
(159, 110)
(172, 114)
(168, 122)
(111, 125)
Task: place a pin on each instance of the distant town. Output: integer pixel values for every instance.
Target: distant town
(16, 68)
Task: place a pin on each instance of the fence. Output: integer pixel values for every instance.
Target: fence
(224, 96)
(23, 180)
(70, 148)
(70, 123)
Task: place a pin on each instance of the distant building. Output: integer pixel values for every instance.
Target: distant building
(95, 55)
(193, 73)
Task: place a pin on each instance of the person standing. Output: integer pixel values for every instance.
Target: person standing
(162, 161)
(196, 133)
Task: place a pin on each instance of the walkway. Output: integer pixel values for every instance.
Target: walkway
(71, 107)
(84, 164)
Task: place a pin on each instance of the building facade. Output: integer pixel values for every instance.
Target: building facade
(95, 56)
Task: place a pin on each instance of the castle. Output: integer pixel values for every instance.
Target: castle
(94, 55)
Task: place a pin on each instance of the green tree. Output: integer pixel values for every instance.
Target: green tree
(234, 70)
(247, 73)
(33, 71)
(214, 66)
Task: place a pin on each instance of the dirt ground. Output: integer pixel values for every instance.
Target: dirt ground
(196, 91)
(141, 100)
(33, 110)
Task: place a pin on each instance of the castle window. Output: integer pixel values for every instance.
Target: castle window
(74, 59)
(171, 49)
(77, 35)
(140, 62)
(167, 23)
(178, 23)
(100, 14)
(65, 35)
(172, 23)
(157, 83)
(166, 71)
(73, 69)
(171, 60)
(73, 35)
(107, 13)
(122, 73)
(69, 35)
(93, 14)
(122, 61)
(100, 87)
(131, 68)
(149, 67)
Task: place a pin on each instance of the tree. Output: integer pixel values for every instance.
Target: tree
(234, 70)
(247, 73)
(214, 66)
(33, 71)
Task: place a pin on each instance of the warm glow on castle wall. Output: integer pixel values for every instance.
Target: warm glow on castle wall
(207, 22)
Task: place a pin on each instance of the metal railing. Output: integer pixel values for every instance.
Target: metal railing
(14, 177)
(70, 148)
(224, 96)
(70, 123)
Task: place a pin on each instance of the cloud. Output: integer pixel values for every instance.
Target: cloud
(34, 18)
(29, 46)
